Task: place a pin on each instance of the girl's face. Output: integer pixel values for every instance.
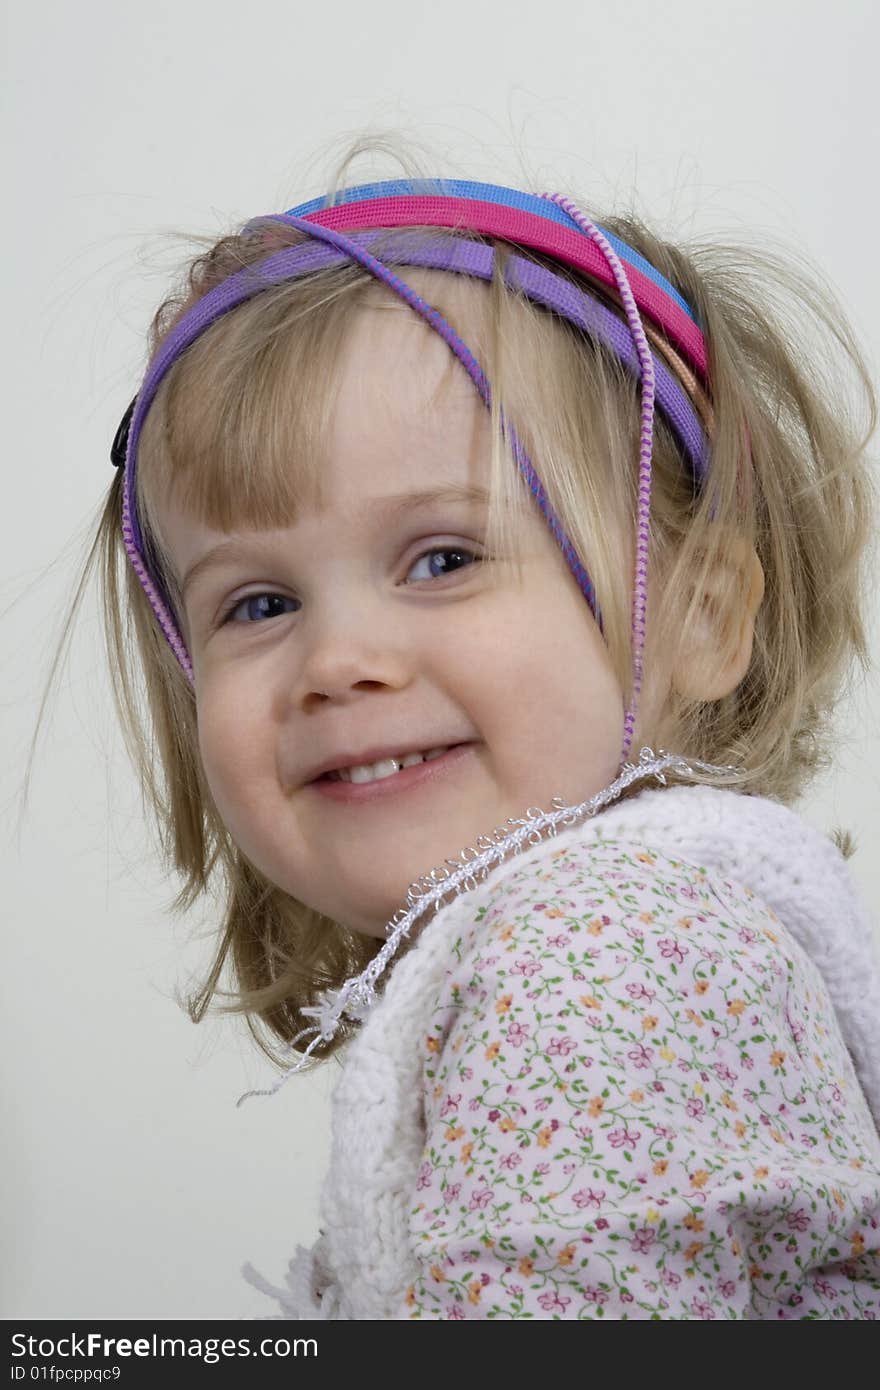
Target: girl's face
(369, 627)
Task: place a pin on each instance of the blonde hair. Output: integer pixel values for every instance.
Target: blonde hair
(256, 389)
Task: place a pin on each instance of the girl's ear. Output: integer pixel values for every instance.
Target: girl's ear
(715, 653)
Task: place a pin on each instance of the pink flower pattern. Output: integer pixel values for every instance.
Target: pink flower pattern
(649, 1114)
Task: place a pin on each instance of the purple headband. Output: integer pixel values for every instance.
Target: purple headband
(462, 256)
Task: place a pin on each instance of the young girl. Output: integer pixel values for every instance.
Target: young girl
(438, 501)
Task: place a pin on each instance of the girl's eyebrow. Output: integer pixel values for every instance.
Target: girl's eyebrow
(391, 507)
(227, 552)
(394, 505)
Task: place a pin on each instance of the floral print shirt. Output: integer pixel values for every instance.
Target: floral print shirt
(638, 1104)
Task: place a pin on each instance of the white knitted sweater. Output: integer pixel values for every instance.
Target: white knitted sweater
(362, 1263)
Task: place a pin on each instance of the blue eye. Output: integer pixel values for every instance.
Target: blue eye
(268, 605)
(431, 555)
(252, 603)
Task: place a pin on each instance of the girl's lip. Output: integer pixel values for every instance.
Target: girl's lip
(408, 777)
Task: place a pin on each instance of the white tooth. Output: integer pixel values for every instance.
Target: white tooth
(387, 767)
(374, 772)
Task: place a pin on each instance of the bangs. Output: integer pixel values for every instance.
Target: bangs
(235, 435)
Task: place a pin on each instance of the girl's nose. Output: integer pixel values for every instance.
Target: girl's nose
(342, 658)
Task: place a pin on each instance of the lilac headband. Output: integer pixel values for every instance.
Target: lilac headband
(544, 224)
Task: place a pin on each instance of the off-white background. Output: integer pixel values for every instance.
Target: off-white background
(132, 1184)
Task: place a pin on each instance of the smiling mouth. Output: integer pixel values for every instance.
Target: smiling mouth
(395, 779)
(386, 767)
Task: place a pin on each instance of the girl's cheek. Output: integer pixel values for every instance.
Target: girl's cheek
(215, 729)
(233, 723)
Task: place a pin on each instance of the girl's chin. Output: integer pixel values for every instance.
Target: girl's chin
(367, 908)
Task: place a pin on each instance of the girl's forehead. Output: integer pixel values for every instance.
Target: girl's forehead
(404, 414)
(397, 369)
